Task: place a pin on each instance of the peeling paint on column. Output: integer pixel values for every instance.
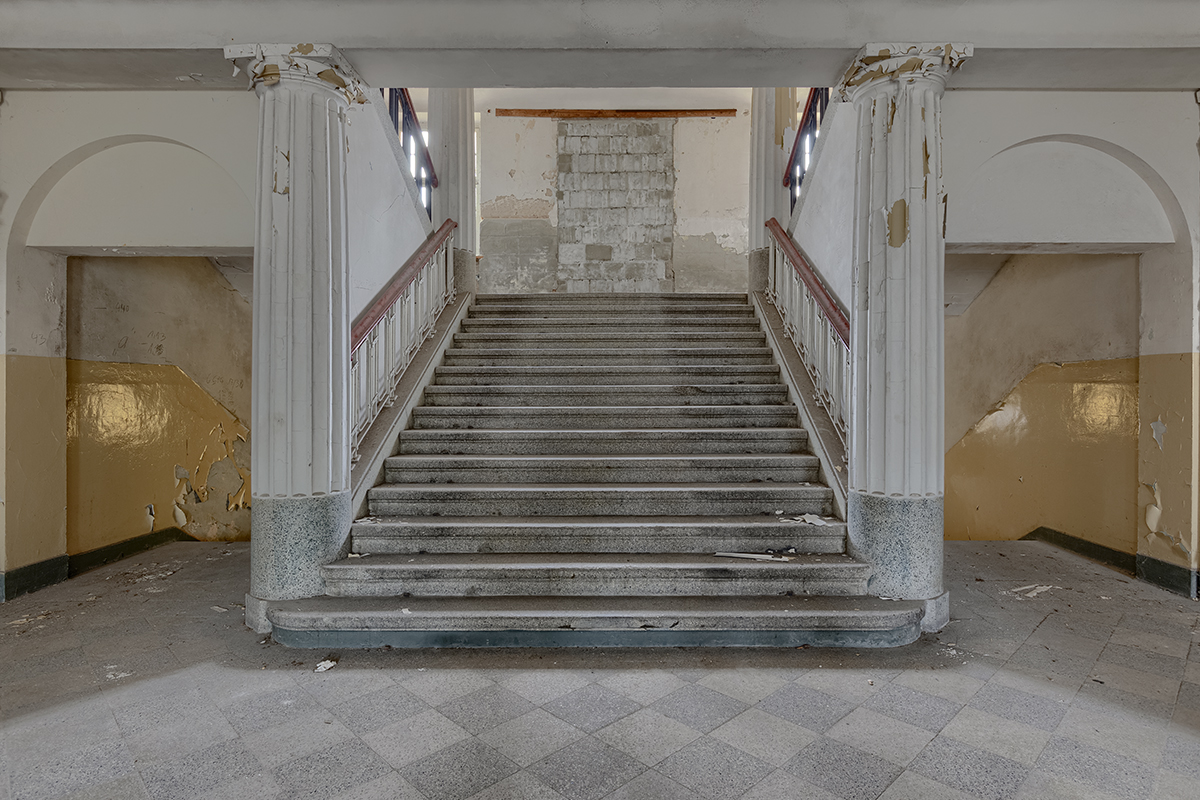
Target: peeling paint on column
(897, 222)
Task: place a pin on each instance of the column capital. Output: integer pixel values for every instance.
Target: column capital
(880, 63)
(322, 64)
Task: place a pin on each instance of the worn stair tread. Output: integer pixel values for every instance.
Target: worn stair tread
(602, 488)
(622, 297)
(643, 459)
(520, 562)
(840, 612)
(589, 352)
(773, 523)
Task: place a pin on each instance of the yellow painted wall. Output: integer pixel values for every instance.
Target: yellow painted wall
(147, 450)
(1166, 520)
(34, 455)
(1059, 451)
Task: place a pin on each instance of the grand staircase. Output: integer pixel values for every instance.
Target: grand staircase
(571, 471)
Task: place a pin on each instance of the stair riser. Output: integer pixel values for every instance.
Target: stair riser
(583, 341)
(641, 442)
(564, 326)
(427, 418)
(576, 583)
(599, 376)
(618, 314)
(414, 539)
(492, 358)
(584, 474)
(600, 396)
(415, 502)
(624, 298)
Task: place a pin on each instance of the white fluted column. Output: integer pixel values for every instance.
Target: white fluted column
(452, 146)
(300, 452)
(897, 332)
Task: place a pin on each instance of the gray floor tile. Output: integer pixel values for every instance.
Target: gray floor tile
(199, 772)
(806, 707)
(844, 770)
(485, 709)
(1039, 658)
(713, 769)
(881, 735)
(299, 736)
(911, 786)
(1117, 775)
(414, 738)
(458, 771)
(531, 737)
(1116, 733)
(1015, 741)
(699, 707)
(764, 736)
(435, 687)
(915, 708)
(331, 771)
(271, 709)
(389, 787)
(652, 785)
(745, 684)
(783, 785)
(521, 786)
(969, 769)
(375, 710)
(647, 735)
(64, 771)
(1182, 756)
(587, 770)
(944, 683)
(642, 686)
(1018, 706)
(543, 685)
(127, 787)
(1106, 700)
(261, 786)
(592, 707)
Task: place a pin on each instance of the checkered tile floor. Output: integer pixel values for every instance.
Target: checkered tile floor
(139, 681)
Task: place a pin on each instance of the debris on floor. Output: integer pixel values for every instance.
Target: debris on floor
(326, 665)
(809, 519)
(754, 556)
(1032, 590)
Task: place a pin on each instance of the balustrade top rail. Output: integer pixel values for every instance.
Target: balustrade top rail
(835, 315)
(810, 126)
(370, 316)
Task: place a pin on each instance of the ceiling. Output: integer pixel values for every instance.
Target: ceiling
(1020, 44)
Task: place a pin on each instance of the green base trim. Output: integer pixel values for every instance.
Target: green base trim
(1126, 562)
(32, 577)
(361, 639)
(1171, 577)
(82, 562)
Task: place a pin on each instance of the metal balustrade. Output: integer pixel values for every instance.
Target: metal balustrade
(814, 322)
(806, 140)
(387, 335)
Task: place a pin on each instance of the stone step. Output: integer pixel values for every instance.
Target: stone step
(402, 534)
(612, 311)
(656, 395)
(601, 417)
(622, 300)
(613, 374)
(609, 339)
(601, 499)
(641, 356)
(590, 574)
(565, 322)
(610, 442)
(423, 469)
(633, 621)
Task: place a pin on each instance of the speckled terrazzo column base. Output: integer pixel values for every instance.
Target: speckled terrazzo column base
(290, 539)
(902, 538)
(759, 264)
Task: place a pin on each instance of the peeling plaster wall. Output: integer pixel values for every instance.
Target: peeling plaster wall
(520, 181)
(1060, 451)
(1038, 309)
(518, 238)
(712, 203)
(158, 389)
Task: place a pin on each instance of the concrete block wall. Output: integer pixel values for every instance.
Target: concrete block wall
(616, 210)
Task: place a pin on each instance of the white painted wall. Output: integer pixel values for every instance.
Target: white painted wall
(823, 220)
(517, 167)
(386, 222)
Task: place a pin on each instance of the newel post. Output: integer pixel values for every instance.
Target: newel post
(896, 487)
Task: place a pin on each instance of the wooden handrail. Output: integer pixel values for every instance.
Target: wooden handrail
(835, 315)
(795, 154)
(369, 318)
(410, 113)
